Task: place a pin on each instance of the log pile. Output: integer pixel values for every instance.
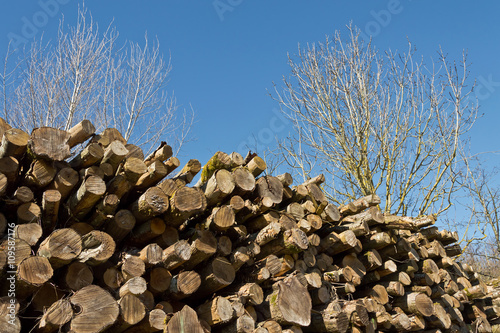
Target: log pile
(98, 237)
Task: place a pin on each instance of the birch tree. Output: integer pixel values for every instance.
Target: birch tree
(85, 74)
(377, 122)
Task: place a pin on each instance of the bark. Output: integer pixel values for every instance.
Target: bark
(203, 246)
(51, 200)
(120, 225)
(218, 274)
(40, 174)
(216, 311)
(184, 285)
(219, 186)
(185, 203)
(416, 303)
(161, 154)
(90, 155)
(80, 133)
(83, 200)
(147, 231)
(188, 172)
(359, 205)
(14, 142)
(155, 172)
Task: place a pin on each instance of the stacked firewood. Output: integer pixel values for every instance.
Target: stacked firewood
(100, 238)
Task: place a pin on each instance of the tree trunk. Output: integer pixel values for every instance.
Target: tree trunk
(290, 303)
(184, 285)
(220, 185)
(29, 232)
(203, 246)
(14, 142)
(40, 174)
(97, 247)
(77, 276)
(176, 254)
(218, 274)
(185, 203)
(82, 201)
(161, 154)
(32, 273)
(156, 171)
(151, 203)
(51, 200)
(216, 311)
(89, 320)
(49, 143)
(61, 247)
(80, 133)
(270, 187)
(56, 316)
(120, 225)
(90, 155)
(185, 321)
(360, 205)
(416, 303)
(114, 154)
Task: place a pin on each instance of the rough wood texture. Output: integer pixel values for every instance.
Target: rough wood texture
(40, 174)
(56, 316)
(185, 203)
(114, 154)
(89, 299)
(61, 247)
(49, 143)
(185, 320)
(82, 201)
(90, 155)
(184, 284)
(290, 303)
(250, 255)
(80, 133)
(14, 142)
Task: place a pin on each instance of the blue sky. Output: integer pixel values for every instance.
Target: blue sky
(227, 53)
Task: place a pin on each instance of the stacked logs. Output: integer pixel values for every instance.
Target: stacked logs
(100, 238)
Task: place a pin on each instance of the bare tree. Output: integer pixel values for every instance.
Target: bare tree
(480, 201)
(375, 122)
(84, 74)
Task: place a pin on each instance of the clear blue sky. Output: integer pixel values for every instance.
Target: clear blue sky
(226, 53)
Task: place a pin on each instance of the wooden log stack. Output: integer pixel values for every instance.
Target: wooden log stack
(98, 237)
